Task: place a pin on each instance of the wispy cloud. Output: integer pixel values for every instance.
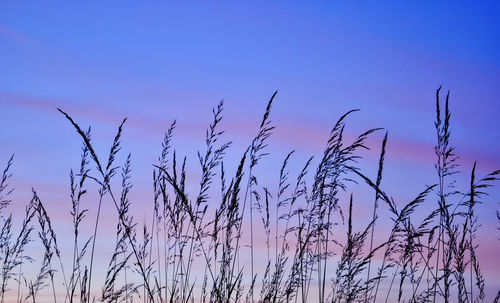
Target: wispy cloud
(300, 135)
(15, 36)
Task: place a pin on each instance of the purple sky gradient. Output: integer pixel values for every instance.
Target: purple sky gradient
(158, 62)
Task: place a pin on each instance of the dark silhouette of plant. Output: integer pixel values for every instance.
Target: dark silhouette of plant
(192, 249)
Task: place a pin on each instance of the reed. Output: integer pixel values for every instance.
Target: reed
(193, 246)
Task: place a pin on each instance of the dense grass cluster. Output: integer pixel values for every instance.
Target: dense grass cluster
(190, 252)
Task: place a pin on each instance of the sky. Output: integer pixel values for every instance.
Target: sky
(159, 61)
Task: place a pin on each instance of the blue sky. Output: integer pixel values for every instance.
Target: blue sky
(161, 61)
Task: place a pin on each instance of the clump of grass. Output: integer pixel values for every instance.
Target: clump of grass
(12, 247)
(192, 249)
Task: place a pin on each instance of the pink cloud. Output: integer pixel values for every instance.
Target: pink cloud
(301, 135)
(15, 36)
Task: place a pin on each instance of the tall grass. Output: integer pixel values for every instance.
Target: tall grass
(200, 246)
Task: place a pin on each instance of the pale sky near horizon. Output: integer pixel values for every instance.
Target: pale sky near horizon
(159, 61)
